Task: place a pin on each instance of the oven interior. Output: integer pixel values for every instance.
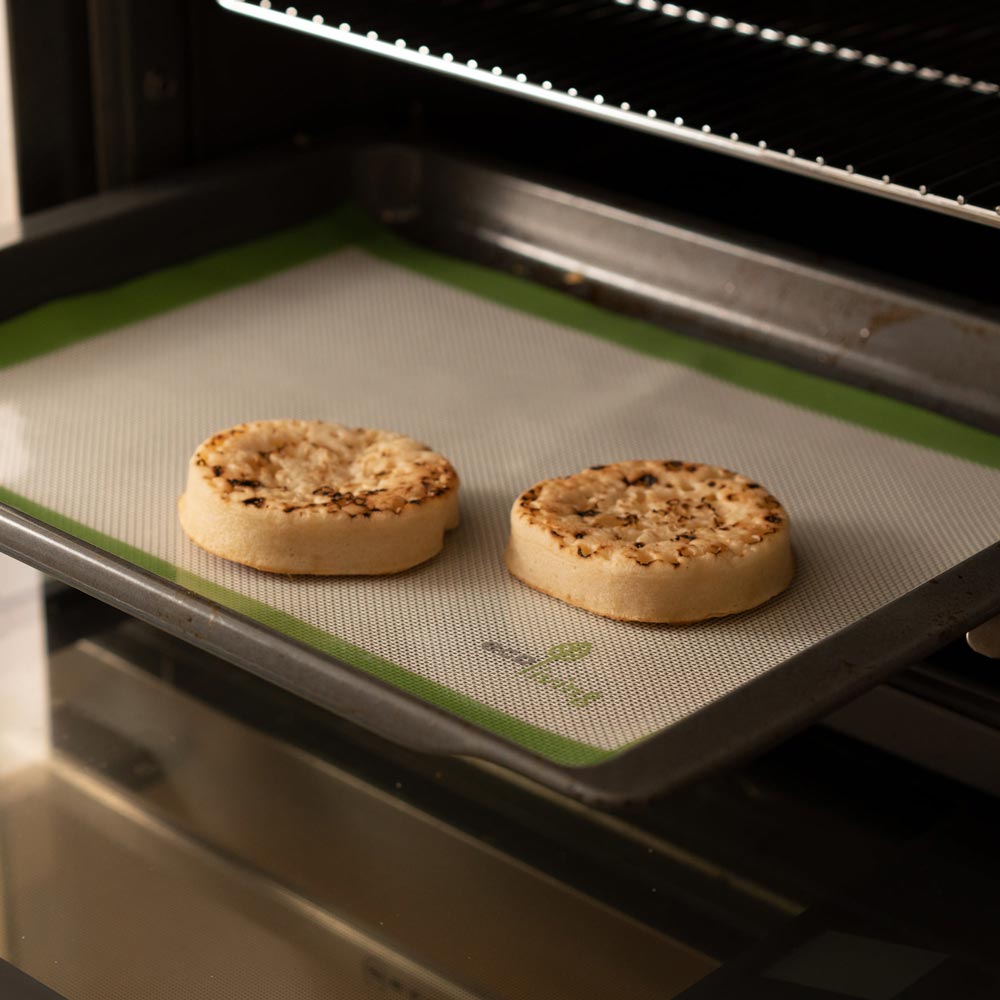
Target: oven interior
(131, 839)
(137, 93)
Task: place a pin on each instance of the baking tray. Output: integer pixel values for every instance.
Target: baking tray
(893, 531)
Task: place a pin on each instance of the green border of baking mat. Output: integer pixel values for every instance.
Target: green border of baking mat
(63, 322)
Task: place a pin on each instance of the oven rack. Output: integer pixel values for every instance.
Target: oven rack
(887, 126)
(907, 47)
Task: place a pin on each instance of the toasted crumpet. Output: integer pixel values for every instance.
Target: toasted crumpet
(308, 497)
(652, 541)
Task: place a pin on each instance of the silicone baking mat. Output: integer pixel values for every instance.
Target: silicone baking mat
(103, 399)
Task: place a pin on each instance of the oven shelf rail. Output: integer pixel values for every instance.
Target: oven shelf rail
(933, 144)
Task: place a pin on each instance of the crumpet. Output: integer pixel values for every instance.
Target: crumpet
(308, 497)
(652, 541)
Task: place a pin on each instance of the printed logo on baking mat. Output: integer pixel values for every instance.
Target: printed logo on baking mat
(545, 671)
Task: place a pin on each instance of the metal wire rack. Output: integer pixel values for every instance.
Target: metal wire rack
(895, 106)
(911, 37)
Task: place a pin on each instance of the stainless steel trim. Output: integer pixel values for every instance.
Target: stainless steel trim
(986, 639)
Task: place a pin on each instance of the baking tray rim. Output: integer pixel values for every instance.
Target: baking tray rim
(786, 697)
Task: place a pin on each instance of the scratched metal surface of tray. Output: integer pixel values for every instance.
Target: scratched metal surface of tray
(893, 507)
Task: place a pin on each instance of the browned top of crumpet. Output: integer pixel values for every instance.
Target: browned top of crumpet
(310, 465)
(653, 512)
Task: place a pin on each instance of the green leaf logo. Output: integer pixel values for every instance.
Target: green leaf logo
(565, 652)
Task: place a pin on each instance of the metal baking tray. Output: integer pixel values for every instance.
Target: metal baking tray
(714, 711)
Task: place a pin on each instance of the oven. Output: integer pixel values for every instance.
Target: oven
(540, 236)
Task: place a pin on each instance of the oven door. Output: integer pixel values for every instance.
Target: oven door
(171, 827)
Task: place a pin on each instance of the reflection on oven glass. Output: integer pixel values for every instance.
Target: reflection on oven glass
(165, 849)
